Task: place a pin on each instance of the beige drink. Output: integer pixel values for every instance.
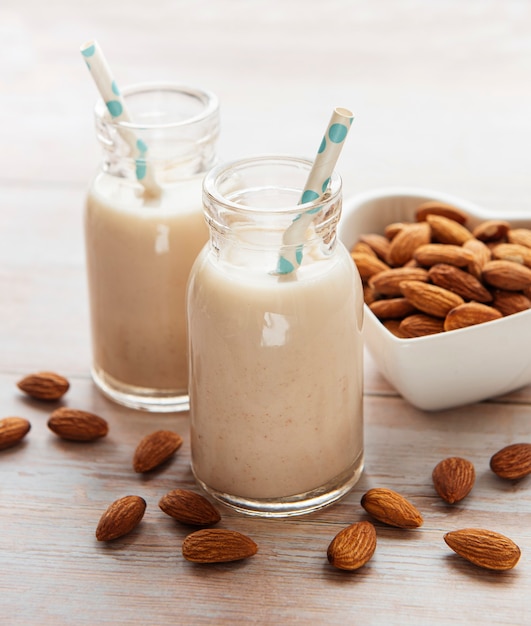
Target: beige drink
(278, 389)
(139, 255)
(144, 227)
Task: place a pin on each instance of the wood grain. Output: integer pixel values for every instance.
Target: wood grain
(441, 98)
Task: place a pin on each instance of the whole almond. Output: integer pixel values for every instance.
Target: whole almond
(512, 462)
(521, 236)
(433, 207)
(363, 248)
(189, 507)
(369, 294)
(393, 326)
(392, 230)
(430, 299)
(391, 308)
(445, 230)
(353, 546)
(76, 425)
(120, 518)
(513, 252)
(507, 275)
(154, 449)
(379, 244)
(406, 241)
(470, 314)
(482, 255)
(368, 264)
(419, 325)
(460, 282)
(453, 478)
(12, 430)
(510, 302)
(491, 230)
(484, 548)
(216, 545)
(44, 386)
(432, 253)
(391, 508)
(388, 282)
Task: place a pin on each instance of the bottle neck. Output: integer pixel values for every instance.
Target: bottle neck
(251, 207)
(174, 133)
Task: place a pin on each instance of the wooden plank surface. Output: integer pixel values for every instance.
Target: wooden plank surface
(441, 96)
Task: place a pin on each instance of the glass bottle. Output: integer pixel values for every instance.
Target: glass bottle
(276, 371)
(140, 248)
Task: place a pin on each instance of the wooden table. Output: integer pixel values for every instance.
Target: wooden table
(442, 100)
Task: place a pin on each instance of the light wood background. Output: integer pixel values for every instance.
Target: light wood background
(442, 98)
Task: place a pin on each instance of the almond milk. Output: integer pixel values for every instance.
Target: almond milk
(139, 255)
(276, 365)
(142, 239)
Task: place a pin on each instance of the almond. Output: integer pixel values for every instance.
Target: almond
(12, 430)
(507, 275)
(469, 314)
(512, 462)
(513, 252)
(368, 264)
(391, 508)
(120, 518)
(393, 326)
(392, 308)
(460, 282)
(154, 449)
(406, 241)
(419, 325)
(189, 507)
(379, 244)
(433, 207)
(392, 230)
(353, 546)
(445, 230)
(430, 299)
(369, 294)
(484, 548)
(216, 545)
(363, 248)
(388, 282)
(482, 255)
(510, 302)
(453, 478)
(432, 253)
(521, 236)
(491, 230)
(76, 425)
(44, 386)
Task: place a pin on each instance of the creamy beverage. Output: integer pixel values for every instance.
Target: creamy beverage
(276, 389)
(139, 255)
(144, 227)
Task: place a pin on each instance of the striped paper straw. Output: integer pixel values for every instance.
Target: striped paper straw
(315, 188)
(115, 103)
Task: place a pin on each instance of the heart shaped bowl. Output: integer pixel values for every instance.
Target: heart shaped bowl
(448, 369)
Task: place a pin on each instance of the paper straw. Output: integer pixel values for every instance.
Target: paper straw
(115, 103)
(315, 188)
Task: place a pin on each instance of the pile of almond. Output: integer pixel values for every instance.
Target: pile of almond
(435, 274)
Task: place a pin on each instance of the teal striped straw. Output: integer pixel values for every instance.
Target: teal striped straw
(115, 103)
(316, 185)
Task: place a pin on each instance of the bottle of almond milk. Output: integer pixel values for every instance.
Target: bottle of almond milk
(276, 372)
(140, 246)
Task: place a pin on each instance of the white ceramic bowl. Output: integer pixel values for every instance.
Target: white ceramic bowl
(450, 369)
